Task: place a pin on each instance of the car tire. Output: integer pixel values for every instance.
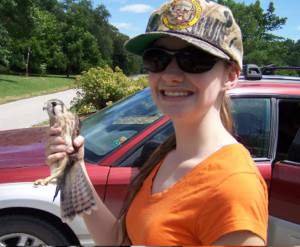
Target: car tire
(25, 230)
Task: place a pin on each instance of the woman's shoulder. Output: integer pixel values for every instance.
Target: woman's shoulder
(233, 156)
(237, 166)
(229, 160)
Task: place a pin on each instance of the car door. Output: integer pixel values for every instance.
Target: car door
(98, 176)
(285, 186)
(253, 126)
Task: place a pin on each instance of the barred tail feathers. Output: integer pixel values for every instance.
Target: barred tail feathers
(76, 195)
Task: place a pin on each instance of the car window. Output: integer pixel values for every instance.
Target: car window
(252, 124)
(140, 156)
(288, 132)
(110, 128)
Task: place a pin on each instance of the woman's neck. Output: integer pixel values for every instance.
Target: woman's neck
(197, 139)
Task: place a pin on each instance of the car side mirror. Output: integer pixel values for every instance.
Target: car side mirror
(252, 72)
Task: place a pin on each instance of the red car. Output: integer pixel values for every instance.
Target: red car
(119, 139)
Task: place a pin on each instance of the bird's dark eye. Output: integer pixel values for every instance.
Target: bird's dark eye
(54, 104)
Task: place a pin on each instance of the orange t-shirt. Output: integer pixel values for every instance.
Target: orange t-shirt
(223, 194)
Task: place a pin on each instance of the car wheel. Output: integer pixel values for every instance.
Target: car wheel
(24, 230)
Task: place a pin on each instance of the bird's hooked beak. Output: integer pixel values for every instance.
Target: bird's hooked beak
(54, 107)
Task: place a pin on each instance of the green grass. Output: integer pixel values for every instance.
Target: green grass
(14, 87)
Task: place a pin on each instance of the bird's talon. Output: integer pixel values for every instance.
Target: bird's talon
(40, 182)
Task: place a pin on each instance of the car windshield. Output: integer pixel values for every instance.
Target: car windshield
(109, 128)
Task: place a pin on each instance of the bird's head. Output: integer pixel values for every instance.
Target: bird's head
(54, 107)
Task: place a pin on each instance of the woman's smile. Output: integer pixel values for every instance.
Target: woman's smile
(175, 94)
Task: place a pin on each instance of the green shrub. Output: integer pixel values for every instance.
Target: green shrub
(43, 69)
(100, 87)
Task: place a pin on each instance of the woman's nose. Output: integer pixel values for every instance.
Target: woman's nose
(173, 73)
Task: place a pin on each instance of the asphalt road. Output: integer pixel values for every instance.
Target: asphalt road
(27, 112)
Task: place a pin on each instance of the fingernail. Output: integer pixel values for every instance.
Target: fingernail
(70, 150)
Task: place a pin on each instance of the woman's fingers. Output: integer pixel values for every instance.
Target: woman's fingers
(56, 148)
(52, 149)
(53, 158)
(78, 141)
(79, 144)
(54, 130)
(55, 140)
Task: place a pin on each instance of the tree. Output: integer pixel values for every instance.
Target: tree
(294, 52)
(271, 22)
(66, 36)
(4, 52)
(100, 26)
(259, 44)
(46, 42)
(16, 17)
(80, 43)
(121, 58)
(4, 35)
(81, 50)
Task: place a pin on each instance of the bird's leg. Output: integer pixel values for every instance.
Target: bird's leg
(57, 172)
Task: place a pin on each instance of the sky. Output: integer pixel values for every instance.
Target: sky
(131, 16)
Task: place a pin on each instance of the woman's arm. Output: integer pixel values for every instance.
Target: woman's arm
(240, 238)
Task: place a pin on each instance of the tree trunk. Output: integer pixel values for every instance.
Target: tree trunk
(68, 71)
(27, 60)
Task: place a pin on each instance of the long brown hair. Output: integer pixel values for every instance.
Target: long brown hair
(158, 155)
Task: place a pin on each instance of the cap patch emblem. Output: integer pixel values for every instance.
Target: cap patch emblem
(181, 14)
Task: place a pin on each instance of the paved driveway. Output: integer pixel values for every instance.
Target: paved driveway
(27, 112)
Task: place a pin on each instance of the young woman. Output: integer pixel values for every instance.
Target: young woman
(201, 186)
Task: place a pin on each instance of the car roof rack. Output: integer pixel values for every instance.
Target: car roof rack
(252, 72)
(270, 69)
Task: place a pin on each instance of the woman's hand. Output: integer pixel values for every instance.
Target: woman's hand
(56, 148)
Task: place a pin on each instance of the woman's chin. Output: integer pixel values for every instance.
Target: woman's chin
(176, 112)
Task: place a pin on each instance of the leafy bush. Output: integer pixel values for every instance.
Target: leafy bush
(100, 87)
(43, 69)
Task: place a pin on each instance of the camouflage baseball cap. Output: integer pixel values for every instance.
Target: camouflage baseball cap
(202, 23)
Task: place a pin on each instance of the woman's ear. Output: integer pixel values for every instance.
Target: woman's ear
(232, 76)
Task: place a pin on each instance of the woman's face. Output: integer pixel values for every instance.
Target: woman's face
(185, 95)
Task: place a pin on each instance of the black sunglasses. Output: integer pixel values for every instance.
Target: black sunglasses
(189, 60)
